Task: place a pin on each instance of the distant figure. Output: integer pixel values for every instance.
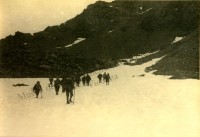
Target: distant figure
(57, 85)
(51, 82)
(100, 77)
(104, 76)
(69, 90)
(77, 80)
(88, 79)
(107, 79)
(83, 80)
(63, 84)
(37, 89)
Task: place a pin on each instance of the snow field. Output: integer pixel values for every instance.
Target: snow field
(149, 106)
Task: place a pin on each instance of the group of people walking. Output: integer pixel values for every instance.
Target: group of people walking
(68, 84)
(105, 77)
(86, 80)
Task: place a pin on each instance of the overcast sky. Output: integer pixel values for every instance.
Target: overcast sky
(31, 16)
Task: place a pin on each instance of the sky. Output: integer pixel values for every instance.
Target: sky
(31, 16)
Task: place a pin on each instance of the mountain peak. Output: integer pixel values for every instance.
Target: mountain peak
(115, 30)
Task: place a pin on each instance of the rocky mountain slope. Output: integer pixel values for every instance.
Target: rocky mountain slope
(97, 38)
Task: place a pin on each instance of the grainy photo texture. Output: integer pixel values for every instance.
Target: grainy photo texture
(93, 68)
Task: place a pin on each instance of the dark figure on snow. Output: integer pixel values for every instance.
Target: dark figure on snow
(107, 79)
(83, 80)
(100, 77)
(77, 80)
(51, 82)
(104, 76)
(69, 90)
(88, 79)
(37, 88)
(63, 84)
(57, 85)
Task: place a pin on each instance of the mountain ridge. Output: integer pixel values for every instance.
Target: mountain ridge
(111, 31)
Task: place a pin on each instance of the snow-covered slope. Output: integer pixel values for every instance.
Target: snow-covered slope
(148, 106)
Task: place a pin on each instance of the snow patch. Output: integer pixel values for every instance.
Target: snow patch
(144, 55)
(139, 13)
(75, 42)
(110, 31)
(134, 58)
(177, 39)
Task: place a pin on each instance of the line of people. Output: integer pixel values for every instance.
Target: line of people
(106, 78)
(86, 79)
(68, 84)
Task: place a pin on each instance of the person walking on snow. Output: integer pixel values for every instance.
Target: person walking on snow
(37, 88)
(100, 77)
(104, 77)
(107, 79)
(83, 80)
(57, 85)
(63, 84)
(69, 90)
(51, 82)
(88, 79)
(78, 80)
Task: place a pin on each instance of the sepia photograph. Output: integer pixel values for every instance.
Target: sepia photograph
(99, 68)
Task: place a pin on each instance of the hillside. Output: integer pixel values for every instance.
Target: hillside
(97, 38)
(179, 60)
(182, 62)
